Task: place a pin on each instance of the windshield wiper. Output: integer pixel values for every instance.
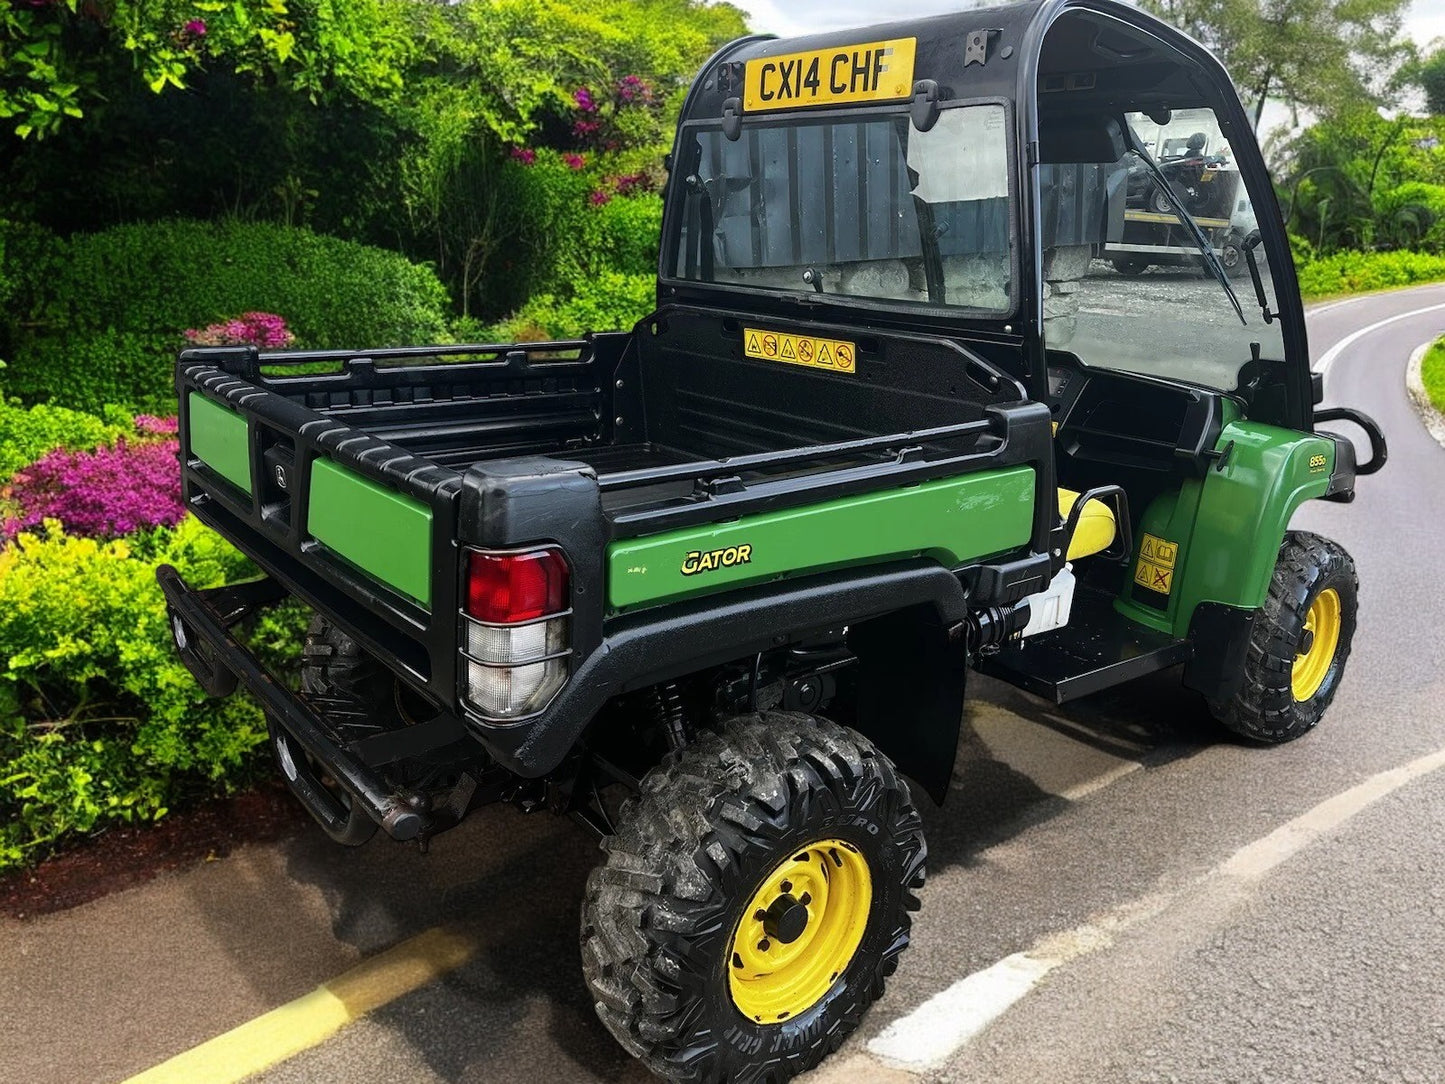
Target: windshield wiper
(1211, 258)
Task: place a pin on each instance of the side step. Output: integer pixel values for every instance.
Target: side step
(1097, 649)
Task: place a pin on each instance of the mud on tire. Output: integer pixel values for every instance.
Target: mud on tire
(1266, 709)
(661, 911)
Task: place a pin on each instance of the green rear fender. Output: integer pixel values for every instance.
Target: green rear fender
(1223, 532)
(952, 521)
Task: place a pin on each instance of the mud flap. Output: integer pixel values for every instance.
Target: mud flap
(910, 682)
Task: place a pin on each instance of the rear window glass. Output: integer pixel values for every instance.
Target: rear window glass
(867, 208)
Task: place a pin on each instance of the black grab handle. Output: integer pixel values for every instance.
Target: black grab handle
(1378, 450)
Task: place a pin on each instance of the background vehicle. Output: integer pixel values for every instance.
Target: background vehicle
(1195, 157)
(736, 563)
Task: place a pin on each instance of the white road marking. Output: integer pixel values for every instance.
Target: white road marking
(1329, 356)
(930, 1033)
(925, 1038)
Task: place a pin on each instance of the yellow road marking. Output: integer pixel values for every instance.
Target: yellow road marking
(313, 1018)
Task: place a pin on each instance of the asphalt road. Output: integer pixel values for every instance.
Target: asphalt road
(1124, 815)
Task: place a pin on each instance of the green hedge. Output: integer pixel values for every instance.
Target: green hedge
(608, 302)
(561, 239)
(99, 722)
(27, 433)
(102, 321)
(1432, 374)
(1360, 272)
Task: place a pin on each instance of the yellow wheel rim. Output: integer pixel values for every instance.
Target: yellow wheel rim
(1322, 636)
(799, 931)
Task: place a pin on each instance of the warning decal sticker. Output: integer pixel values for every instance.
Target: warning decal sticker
(1155, 569)
(832, 354)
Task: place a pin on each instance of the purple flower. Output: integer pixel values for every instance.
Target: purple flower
(196, 28)
(632, 88)
(628, 183)
(599, 197)
(151, 426)
(584, 128)
(574, 161)
(102, 494)
(525, 155)
(583, 97)
(264, 330)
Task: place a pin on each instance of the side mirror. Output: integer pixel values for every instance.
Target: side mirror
(732, 119)
(924, 110)
(1317, 388)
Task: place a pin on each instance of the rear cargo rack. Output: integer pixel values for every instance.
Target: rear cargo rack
(706, 470)
(247, 361)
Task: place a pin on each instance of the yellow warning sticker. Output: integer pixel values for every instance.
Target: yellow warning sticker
(1155, 569)
(832, 354)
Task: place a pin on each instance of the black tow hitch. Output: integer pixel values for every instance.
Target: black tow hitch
(200, 625)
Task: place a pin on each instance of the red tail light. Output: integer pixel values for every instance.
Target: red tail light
(509, 588)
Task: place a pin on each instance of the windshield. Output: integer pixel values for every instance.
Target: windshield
(1131, 291)
(868, 208)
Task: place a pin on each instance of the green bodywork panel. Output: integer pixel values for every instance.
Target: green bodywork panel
(382, 533)
(1227, 527)
(219, 438)
(952, 521)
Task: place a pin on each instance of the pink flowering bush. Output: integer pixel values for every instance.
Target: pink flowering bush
(149, 425)
(109, 492)
(263, 330)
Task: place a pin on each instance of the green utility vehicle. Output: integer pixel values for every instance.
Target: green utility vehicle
(712, 586)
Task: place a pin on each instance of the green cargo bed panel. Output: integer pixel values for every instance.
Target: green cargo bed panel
(384, 534)
(219, 438)
(955, 521)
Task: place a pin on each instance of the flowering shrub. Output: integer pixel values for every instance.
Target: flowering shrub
(27, 433)
(101, 494)
(150, 425)
(263, 330)
(633, 88)
(99, 721)
(624, 117)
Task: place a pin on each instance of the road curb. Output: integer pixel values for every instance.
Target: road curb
(1433, 420)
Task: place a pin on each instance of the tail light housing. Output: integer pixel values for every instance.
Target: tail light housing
(516, 630)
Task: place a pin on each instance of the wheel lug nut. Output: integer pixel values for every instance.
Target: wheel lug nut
(764, 945)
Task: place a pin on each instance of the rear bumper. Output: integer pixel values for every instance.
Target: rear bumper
(201, 621)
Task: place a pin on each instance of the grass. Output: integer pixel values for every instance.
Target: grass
(1432, 373)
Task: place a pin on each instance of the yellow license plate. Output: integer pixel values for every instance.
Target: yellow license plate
(875, 72)
(834, 355)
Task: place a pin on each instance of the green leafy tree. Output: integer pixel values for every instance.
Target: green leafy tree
(1429, 75)
(1358, 180)
(58, 57)
(1319, 55)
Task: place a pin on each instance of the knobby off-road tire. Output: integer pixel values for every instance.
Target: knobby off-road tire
(711, 831)
(355, 695)
(1289, 675)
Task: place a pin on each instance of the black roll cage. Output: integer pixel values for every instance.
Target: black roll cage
(1024, 327)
